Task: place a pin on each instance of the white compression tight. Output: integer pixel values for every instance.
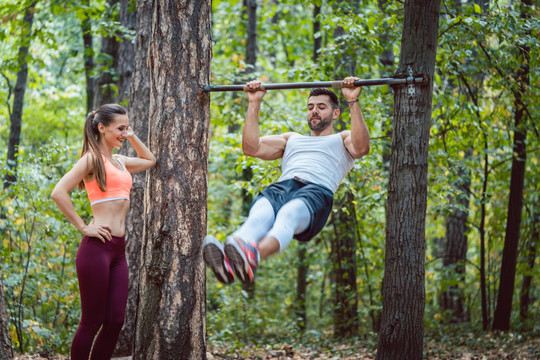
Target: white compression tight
(293, 218)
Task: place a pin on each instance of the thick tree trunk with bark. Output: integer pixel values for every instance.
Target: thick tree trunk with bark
(171, 313)
(18, 98)
(6, 351)
(501, 318)
(403, 292)
(139, 103)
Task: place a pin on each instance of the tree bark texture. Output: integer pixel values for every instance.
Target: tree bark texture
(317, 39)
(403, 292)
(501, 318)
(88, 55)
(251, 48)
(6, 351)
(301, 287)
(482, 232)
(343, 255)
(525, 296)
(118, 71)
(171, 308)
(343, 250)
(104, 92)
(452, 296)
(139, 103)
(126, 50)
(18, 98)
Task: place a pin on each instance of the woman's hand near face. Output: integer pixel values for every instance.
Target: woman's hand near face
(129, 132)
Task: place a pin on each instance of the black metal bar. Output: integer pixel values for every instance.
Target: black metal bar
(317, 84)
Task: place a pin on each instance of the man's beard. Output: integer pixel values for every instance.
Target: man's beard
(323, 123)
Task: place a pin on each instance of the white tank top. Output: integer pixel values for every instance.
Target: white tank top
(322, 160)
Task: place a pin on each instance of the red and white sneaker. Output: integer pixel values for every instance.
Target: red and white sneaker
(215, 258)
(244, 258)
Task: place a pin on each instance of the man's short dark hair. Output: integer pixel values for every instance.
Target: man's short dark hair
(324, 91)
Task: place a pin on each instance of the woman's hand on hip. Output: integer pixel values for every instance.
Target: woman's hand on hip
(100, 231)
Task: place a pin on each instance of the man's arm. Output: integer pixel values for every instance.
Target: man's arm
(267, 147)
(356, 141)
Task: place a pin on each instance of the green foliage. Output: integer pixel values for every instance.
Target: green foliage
(38, 252)
(472, 130)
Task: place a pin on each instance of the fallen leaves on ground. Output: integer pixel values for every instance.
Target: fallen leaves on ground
(486, 347)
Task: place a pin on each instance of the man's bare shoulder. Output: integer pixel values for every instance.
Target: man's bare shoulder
(287, 135)
(345, 134)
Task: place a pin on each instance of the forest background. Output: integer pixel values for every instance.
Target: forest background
(486, 93)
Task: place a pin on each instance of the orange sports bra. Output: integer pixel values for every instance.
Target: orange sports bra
(118, 184)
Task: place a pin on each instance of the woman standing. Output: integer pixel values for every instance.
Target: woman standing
(101, 263)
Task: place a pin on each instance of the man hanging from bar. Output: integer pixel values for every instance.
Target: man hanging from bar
(299, 203)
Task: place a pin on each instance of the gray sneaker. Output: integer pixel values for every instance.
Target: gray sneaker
(244, 258)
(215, 258)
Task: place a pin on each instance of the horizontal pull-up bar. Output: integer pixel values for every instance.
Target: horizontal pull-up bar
(317, 84)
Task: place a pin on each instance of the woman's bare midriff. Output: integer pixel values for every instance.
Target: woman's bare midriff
(112, 213)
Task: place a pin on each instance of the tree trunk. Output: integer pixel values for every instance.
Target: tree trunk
(104, 86)
(343, 248)
(482, 232)
(301, 287)
(343, 256)
(303, 263)
(501, 318)
(171, 310)
(251, 46)
(86, 26)
(452, 296)
(251, 60)
(403, 292)
(6, 351)
(139, 103)
(317, 39)
(126, 51)
(525, 298)
(18, 99)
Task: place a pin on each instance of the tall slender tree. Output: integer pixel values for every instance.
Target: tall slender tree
(303, 261)
(501, 318)
(88, 55)
(251, 63)
(402, 322)
(525, 298)
(126, 50)
(343, 244)
(452, 297)
(171, 309)
(6, 351)
(18, 96)
(105, 82)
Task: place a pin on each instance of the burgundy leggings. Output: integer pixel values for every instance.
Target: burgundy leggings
(103, 283)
